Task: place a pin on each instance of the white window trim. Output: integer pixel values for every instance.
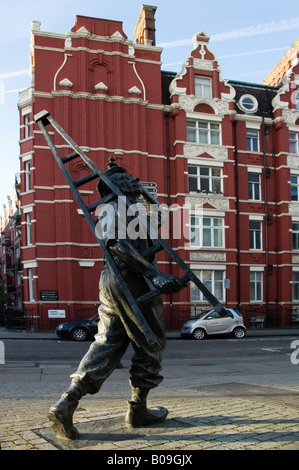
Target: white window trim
(204, 162)
(254, 169)
(255, 126)
(204, 117)
(27, 209)
(26, 110)
(30, 264)
(26, 158)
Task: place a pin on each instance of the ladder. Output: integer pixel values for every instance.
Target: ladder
(44, 119)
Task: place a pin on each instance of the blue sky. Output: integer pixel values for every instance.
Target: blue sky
(248, 39)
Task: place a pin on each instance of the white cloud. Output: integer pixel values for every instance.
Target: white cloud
(240, 54)
(261, 51)
(15, 74)
(255, 30)
(273, 27)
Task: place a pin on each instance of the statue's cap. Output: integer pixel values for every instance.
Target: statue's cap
(112, 168)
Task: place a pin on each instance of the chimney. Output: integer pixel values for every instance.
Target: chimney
(145, 27)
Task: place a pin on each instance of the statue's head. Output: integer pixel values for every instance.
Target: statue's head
(119, 176)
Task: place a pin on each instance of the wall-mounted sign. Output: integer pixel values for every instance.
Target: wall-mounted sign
(56, 313)
(48, 295)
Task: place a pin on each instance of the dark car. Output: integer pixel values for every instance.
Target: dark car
(78, 330)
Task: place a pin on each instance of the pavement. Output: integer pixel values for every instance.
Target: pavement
(211, 407)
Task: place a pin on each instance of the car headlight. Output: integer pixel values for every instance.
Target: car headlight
(60, 327)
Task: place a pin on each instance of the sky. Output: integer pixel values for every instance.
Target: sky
(248, 39)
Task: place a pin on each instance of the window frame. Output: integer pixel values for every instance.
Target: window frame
(203, 89)
(27, 176)
(294, 142)
(252, 141)
(31, 285)
(199, 231)
(27, 126)
(28, 229)
(198, 130)
(256, 286)
(215, 286)
(294, 188)
(213, 180)
(244, 107)
(295, 286)
(252, 185)
(255, 235)
(295, 236)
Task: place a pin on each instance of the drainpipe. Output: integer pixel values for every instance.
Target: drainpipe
(276, 220)
(238, 214)
(166, 116)
(266, 214)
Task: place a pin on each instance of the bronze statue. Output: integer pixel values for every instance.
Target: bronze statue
(116, 325)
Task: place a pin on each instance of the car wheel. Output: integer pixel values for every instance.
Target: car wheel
(79, 334)
(238, 332)
(199, 333)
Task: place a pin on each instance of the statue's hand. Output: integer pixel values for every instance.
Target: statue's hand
(167, 283)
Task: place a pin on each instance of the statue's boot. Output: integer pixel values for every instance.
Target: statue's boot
(139, 415)
(61, 414)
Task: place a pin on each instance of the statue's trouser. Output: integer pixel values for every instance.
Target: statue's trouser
(111, 342)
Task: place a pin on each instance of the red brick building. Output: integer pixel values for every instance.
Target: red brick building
(226, 151)
(10, 255)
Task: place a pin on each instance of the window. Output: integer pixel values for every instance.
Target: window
(294, 142)
(27, 125)
(295, 235)
(254, 186)
(27, 176)
(294, 188)
(203, 132)
(252, 140)
(213, 280)
(30, 285)
(203, 178)
(28, 228)
(248, 103)
(297, 100)
(296, 285)
(256, 286)
(203, 87)
(255, 235)
(207, 232)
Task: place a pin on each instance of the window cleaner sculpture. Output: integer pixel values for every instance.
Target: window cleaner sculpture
(131, 288)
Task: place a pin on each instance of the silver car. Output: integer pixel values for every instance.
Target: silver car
(212, 323)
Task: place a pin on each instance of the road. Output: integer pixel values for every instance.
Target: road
(221, 394)
(263, 360)
(41, 350)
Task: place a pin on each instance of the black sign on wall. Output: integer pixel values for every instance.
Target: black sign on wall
(48, 295)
